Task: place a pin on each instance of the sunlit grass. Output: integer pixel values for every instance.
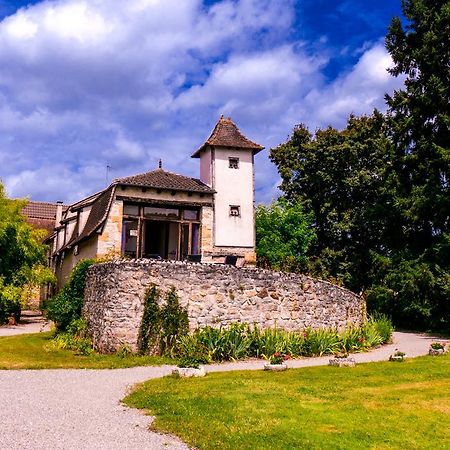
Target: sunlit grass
(32, 351)
(373, 406)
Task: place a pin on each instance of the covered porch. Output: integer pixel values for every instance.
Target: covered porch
(161, 231)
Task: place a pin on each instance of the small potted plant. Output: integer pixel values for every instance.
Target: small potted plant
(437, 349)
(397, 356)
(188, 368)
(277, 362)
(342, 359)
(191, 355)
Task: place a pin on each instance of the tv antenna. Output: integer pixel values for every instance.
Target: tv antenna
(108, 170)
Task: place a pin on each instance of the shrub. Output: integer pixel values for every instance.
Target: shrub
(226, 344)
(66, 306)
(174, 321)
(9, 302)
(384, 327)
(191, 352)
(323, 342)
(238, 341)
(271, 340)
(150, 329)
(161, 328)
(74, 338)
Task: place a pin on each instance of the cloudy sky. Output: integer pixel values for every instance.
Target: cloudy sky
(86, 84)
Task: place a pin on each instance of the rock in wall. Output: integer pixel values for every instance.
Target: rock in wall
(213, 294)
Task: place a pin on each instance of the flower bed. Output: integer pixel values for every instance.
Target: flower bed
(240, 341)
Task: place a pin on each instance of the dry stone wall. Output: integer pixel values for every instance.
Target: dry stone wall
(213, 295)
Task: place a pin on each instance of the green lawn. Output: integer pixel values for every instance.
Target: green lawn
(32, 351)
(373, 406)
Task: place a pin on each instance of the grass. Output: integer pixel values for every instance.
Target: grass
(32, 351)
(373, 406)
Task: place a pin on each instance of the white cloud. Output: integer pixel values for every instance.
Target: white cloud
(85, 83)
(358, 91)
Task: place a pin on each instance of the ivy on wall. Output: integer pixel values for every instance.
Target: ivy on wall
(161, 327)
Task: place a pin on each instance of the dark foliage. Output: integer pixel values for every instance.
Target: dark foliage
(174, 321)
(379, 190)
(161, 327)
(65, 307)
(150, 329)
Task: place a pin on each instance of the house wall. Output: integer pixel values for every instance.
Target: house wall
(110, 240)
(234, 187)
(85, 250)
(206, 233)
(206, 167)
(213, 295)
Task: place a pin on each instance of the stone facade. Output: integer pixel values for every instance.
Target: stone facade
(213, 295)
(110, 241)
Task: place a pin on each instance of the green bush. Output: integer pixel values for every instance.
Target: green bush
(161, 328)
(74, 338)
(239, 341)
(191, 352)
(9, 302)
(66, 306)
(150, 329)
(383, 326)
(322, 342)
(174, 321)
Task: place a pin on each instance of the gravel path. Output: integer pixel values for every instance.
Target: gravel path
(80, 409)
(30, 322)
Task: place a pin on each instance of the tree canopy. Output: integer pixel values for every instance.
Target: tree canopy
(22, 255)
(378, 191)
(283, 235)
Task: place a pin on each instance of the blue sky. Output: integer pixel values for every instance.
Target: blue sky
(86, 84)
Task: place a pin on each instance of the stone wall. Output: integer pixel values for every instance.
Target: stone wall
(214, 295)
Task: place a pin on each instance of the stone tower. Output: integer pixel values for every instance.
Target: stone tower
(227, 165)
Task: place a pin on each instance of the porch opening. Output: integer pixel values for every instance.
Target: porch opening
(161, 232)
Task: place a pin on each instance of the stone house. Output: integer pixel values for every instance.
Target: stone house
(163, 215)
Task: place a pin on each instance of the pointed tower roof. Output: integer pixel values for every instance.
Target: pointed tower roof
(227, 134)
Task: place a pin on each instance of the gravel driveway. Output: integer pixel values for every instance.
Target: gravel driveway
(30, 322)
(80, 409)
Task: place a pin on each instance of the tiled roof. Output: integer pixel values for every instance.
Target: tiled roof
(97, 216)
(42, 224)
(161, 179)
(41, 215)
(40, 210)
(227, 134)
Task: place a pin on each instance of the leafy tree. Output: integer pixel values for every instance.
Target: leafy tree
(20, 244)
(419, 127)
(419, 118)
(22, 256)
(65, 307)
(283, 235)
(379, 190)
(339, 178)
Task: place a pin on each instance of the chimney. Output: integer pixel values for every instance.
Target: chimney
(59, 210)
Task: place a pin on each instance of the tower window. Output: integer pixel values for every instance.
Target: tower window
(233, 163)
(235, 211)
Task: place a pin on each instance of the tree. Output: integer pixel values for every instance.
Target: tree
(22, 256)
(379, 190)
(419, 118)
(419, 126)
(283, 235)
(20, 244)
(339, 178)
